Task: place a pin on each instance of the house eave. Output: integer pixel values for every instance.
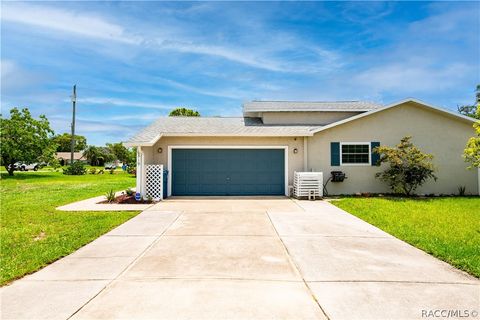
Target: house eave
(294, 134)
(150, 143)
(153, 141)
(307, 110)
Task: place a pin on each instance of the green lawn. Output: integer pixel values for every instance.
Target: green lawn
(34, 234)
(448, 228)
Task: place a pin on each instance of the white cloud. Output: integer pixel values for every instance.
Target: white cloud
(65, 21)
(136, 117)
(222, 93)
(14, 77)
(236, 55)
(263, 55)
(411, 77)
(97, 132)
(442, 21)
(122, 103)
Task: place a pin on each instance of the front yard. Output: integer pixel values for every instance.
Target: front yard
(448, 228)
(34, 234)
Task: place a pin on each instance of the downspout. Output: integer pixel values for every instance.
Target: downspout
(305, 154)
(140, 172)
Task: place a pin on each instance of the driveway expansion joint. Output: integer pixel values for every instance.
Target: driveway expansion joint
(127, 267)
(312, 295)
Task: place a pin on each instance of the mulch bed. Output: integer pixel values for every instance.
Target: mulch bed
(126, 199)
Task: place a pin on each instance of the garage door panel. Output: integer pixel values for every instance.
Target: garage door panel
(228, 172)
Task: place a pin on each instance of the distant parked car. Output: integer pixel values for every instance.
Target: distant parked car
(16, 166)
(20, 166)
(110, 166)
(33, 166)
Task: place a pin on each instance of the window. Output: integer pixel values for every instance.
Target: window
(355, 153)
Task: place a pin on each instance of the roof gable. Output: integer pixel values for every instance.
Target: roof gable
(396, 104)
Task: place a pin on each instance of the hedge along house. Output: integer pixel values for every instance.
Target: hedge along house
(257, 154)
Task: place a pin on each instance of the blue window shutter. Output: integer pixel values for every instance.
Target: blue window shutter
(334, 153)
(375, 156)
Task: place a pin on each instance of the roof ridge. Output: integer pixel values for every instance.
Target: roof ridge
(311, 101)
(200, 117)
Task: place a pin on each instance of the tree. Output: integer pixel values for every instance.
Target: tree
(92, 154)
(98, 156)
(132, 157)
(64, 142)
(472, 110)
(184, 112)
(409, 167)
(24, 138)
(119, 151)
(471, 153)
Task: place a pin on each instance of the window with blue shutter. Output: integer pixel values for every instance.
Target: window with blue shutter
(334, 153)
(375, 156)
(355, 153)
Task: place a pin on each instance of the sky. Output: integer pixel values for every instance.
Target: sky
(135, 61)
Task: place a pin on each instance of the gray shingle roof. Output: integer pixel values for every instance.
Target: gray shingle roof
(217, 126)
(273, 106)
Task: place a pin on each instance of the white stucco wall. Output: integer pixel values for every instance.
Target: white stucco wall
(433, 132)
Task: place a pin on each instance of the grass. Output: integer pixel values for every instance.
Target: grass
(60, 169)
(447, 228)
(34, 234)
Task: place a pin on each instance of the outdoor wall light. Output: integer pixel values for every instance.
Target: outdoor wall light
(160, 150)
(295, 150)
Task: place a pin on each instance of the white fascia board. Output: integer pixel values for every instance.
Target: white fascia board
(306, 134)
(143, 143)
(366, 114)
(135, 144)
(153, 141)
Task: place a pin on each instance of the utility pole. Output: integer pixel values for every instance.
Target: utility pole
(74, 101)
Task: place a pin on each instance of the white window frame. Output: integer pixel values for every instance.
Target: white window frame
(170, 148)
(356, 164)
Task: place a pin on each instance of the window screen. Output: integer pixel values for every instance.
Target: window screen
(355, 153)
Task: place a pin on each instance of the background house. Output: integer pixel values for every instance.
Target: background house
(64, 157)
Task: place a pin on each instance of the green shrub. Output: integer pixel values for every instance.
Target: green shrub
(110, 196)
(76, 169)
(408, 168)
(461, 190)
(101, 171)
(112, 171)
(129, 192)
(93, 170)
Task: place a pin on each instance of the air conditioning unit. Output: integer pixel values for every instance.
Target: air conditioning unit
(308, 185)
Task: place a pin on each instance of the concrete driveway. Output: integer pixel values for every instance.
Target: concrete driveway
(243, 259)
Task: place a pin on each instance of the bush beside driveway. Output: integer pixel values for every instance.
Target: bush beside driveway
(448, 228)
(34, 234)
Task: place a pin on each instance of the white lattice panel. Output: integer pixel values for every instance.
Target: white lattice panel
(154, 181)
(306, 182)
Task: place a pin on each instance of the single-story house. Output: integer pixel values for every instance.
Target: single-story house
(257, 154)
(64, 157)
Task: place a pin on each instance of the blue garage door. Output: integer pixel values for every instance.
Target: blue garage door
(225, 172)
